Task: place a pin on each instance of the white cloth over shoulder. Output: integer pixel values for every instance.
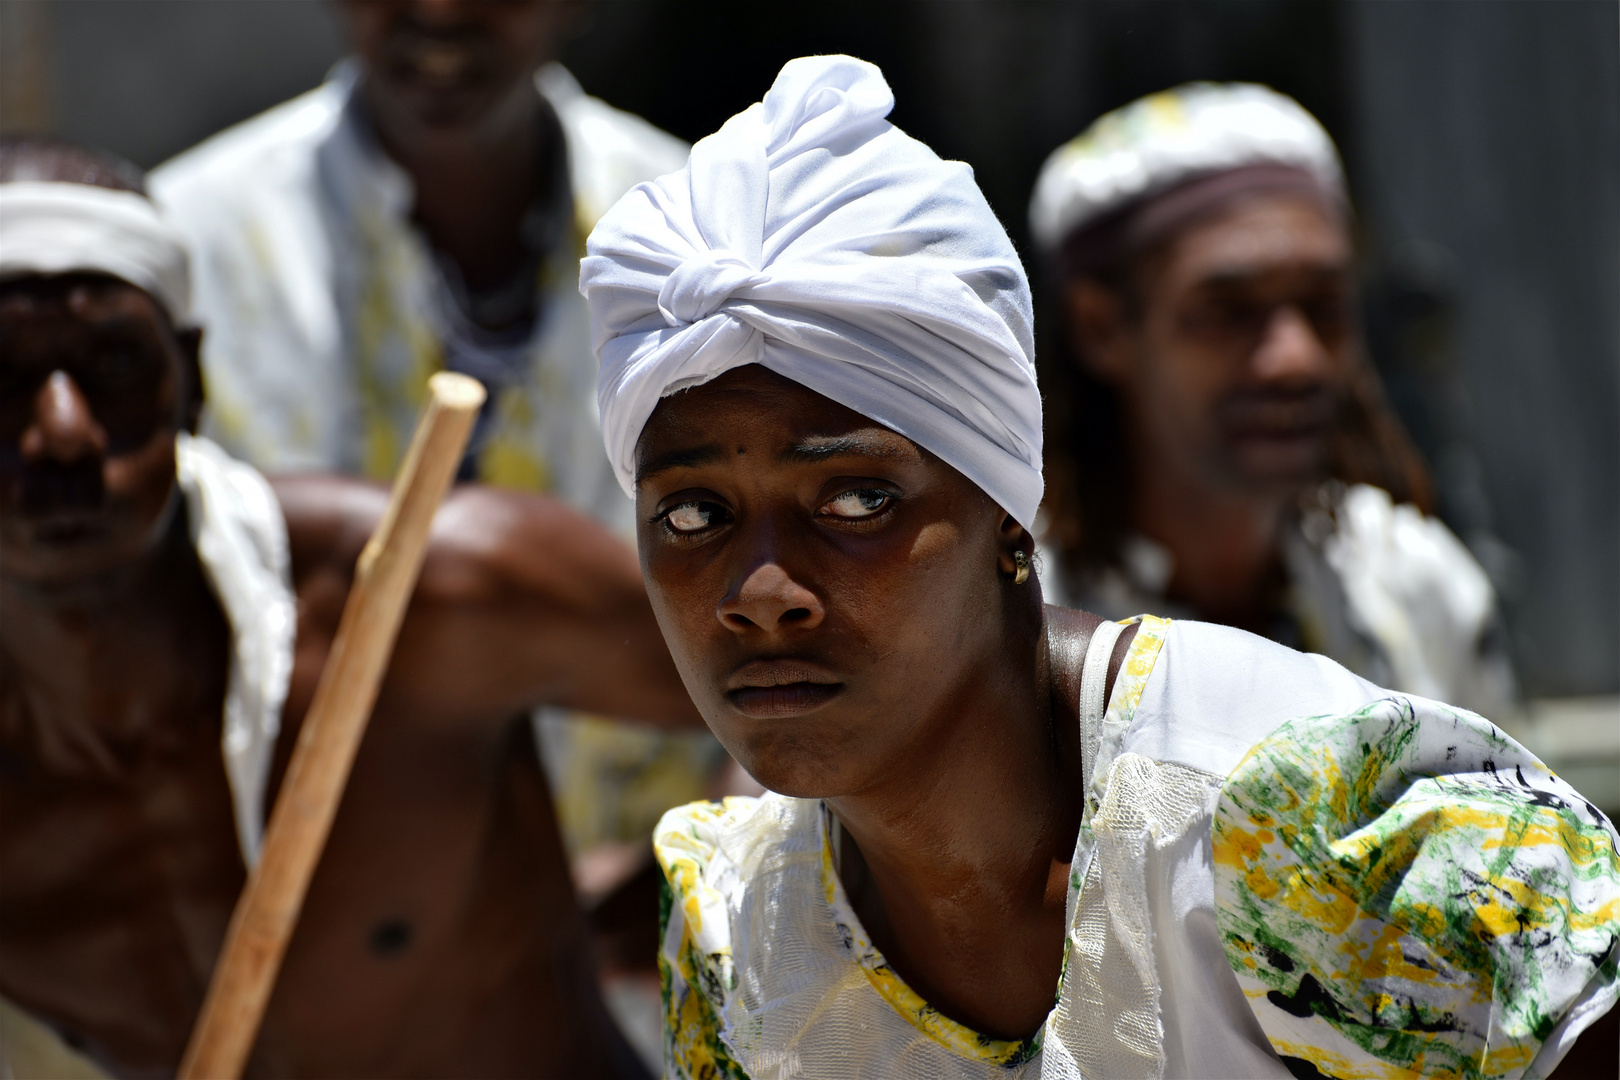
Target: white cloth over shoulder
(1378, 587)
(1396, 597)
(241, 541)
(813, 237)
(49, 227)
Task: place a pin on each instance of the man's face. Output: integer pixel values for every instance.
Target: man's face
(1233, 369)
(827, 588)
(448, 64)
(92, 391)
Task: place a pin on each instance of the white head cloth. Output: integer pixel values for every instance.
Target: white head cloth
(64, 228)
(813, 237)
(1157, 142)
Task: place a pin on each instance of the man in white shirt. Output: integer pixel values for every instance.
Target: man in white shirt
(1220, 447)
(423, 209)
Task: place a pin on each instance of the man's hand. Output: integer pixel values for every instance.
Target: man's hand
(523, 601)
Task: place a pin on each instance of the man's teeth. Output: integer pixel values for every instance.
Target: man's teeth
(441, 63)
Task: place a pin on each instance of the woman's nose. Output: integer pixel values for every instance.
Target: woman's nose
(64, 428)
(769, 599)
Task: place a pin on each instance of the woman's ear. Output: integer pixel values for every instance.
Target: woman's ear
(1012, 541)
(1098, 331)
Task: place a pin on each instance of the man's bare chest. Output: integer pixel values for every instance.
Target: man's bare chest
(119, 865)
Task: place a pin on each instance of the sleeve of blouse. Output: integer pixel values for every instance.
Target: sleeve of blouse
(1405, 890)
(693, 965)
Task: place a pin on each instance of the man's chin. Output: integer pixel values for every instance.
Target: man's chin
(66, 555)
(1277, 465)
(442, 111)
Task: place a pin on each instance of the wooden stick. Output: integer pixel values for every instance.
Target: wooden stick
(384, 579)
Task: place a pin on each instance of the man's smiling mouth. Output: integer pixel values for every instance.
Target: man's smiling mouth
(773, 689)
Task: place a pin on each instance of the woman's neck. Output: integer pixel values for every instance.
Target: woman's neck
(958, 867)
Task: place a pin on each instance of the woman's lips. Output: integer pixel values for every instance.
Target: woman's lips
(793, 699)
(767, 689)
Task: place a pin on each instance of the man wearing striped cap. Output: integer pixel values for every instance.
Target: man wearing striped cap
(1218, 445)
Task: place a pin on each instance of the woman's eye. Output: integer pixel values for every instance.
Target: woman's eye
(861, 503)
(691, 517)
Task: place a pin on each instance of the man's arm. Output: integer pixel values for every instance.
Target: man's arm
(523, 601)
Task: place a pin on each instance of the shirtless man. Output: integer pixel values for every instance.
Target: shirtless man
(440, 935)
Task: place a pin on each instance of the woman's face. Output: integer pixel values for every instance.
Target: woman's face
(829, 591)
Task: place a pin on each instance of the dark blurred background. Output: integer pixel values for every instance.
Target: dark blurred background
(1482, 141)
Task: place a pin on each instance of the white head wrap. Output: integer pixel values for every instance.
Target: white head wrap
(63, 228)
(1157, 142)
(813, 237)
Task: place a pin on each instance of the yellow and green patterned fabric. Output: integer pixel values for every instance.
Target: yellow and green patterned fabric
(694, 966)
(1405, 891)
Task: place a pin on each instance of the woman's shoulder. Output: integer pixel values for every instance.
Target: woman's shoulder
(711, 854)
(696, 830)
(711, 847)
(1214, 691)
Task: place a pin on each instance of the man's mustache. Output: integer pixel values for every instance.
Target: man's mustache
(439, 53)
(54, 487)
(1278, 410)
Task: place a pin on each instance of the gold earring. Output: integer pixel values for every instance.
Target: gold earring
(1021, 565)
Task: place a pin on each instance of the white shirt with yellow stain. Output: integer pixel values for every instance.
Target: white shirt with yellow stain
(320, 304)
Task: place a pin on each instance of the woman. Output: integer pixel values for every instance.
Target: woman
(1220, 857)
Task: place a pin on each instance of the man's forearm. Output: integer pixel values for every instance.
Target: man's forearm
(522, 602)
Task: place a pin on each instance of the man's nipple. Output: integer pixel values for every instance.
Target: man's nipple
(390, 937)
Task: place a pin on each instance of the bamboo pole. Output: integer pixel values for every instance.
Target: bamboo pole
(384, 579)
